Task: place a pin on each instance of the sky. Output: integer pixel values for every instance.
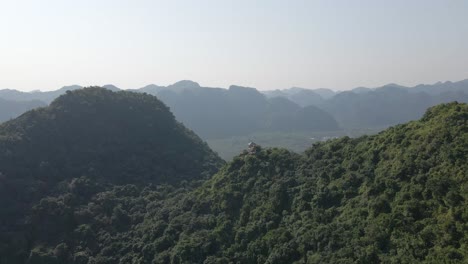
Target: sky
(266, 44)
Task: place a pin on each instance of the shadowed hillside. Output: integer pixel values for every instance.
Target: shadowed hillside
(85, 142)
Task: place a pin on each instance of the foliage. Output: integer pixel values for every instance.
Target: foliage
(396, 197)
(84, 143)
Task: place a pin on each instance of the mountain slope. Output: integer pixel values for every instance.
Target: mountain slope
(400, 197)
(87, 141)
(396, 197)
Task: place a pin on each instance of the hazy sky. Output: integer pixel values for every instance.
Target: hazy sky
(46, 44)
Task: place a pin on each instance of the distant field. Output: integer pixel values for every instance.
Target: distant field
(227, 148)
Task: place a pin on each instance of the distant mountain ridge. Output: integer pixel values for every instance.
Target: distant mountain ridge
(207, 110)
(11, 109)
(325, 93)
(432, 89)
(217, 112)
(220, 113)
(388, 105)
(46, 97)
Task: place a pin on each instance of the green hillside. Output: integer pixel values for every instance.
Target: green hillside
(85, 142)
(396, 197)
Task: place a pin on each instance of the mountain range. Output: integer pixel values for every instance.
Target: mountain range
(229, 118)
(348, 107)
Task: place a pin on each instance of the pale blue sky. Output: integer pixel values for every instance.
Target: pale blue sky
(46, 44)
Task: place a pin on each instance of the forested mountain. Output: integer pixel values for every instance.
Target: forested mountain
(11, 109)
(396, 197)
(84, 142)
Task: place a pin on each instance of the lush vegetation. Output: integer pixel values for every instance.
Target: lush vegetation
(84, 143)
(396, 197)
